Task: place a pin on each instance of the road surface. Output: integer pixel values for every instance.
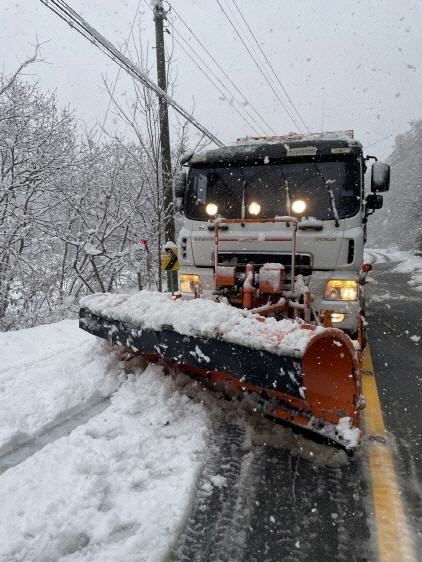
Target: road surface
(281, 505)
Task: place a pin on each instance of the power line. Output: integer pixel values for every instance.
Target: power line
(262, 66)
(227, 76)
(271, 66)
(67, 14)
(380, 140)
(295, 123)
(245, 119)
(208, 77)
(120, 68)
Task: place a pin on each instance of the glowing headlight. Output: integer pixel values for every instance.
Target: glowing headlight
(254, 208)
(187, 282)
(337, 317)
(211, 209)
(341, 290)
(298, 206)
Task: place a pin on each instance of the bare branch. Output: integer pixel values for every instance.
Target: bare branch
(34, 58)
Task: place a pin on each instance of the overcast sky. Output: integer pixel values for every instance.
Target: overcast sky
(345, 64)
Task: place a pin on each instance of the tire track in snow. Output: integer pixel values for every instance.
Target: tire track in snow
(305, 511)
(377, 256)
(60, 427)
(276, 505)
(276, 533)
(27, 364)
(345, 508)
(217, 528)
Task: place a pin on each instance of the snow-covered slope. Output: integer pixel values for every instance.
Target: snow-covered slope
(118, 487)
(399, 223)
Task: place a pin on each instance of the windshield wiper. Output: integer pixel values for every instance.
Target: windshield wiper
(332, 200)
(331, 195)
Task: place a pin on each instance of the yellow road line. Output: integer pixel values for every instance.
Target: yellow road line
(393, 536)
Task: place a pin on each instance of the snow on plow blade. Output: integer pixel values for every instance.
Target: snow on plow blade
(307, 376)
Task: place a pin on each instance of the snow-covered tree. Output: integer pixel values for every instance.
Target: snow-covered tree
(36, 151)
(73, 205)
(104, 211)
(140, 114)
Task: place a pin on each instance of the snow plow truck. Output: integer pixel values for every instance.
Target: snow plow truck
(271, 279)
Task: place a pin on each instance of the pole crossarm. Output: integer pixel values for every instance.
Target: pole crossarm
(66, 13)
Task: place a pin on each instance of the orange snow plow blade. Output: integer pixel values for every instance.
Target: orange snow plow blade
(331, 376)
(315, 386)
(330, 400)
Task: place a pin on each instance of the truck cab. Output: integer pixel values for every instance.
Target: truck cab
(318, 178)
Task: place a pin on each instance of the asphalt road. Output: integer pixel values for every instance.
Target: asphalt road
(395, 316)
(287, 499)
(279, 503)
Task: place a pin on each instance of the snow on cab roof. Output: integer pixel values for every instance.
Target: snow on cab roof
(257, 149)
(346, 134)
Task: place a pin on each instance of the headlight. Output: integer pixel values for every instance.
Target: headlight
(341, 290)
(337, 317)
(254, 208)
(211, 209)
(298, 206)
(188, 282)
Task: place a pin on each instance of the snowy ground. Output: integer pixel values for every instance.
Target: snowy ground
(97, 465)
(407, 262)
(119, 486)
(118, 482)
(47, 373)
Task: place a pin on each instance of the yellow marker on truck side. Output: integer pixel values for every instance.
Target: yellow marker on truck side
(394, 539)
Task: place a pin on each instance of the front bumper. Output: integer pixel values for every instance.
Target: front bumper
(318, 282)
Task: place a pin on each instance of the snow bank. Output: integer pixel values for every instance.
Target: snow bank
(408, 262)
(46, 372)
(413, 265)
(380, 255)
(116, 489)
(203, 317)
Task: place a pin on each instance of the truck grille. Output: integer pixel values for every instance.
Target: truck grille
(303, 261)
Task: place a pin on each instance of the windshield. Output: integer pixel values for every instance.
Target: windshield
(235, 190)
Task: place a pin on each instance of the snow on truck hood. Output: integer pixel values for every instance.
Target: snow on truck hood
(203, 317)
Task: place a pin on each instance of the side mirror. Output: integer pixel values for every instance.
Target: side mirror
(380, 177)
(374, 202)
(179, 184)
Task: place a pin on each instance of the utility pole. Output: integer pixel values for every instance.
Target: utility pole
(159, 15)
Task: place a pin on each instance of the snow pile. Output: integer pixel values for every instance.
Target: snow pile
(350, 435)
(117, 488)
(46, 372)
(408, 262)
(413, 265)
(378, 255)
(203, 317)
